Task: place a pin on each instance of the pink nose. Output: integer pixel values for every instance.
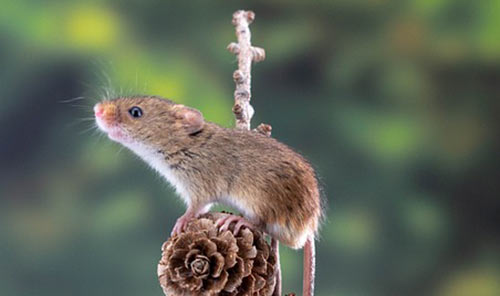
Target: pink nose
(98, 111)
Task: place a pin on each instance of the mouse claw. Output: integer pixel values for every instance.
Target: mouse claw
(225, 222)
(242, 223)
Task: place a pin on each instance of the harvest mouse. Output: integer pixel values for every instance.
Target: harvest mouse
(271, 185)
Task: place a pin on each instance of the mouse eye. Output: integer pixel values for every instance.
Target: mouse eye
(135, 112)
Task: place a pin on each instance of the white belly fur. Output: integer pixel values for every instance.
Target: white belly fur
(158, 163)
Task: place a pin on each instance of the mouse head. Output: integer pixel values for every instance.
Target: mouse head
(146, 120)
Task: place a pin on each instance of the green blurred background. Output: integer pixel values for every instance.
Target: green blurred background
(394, 102)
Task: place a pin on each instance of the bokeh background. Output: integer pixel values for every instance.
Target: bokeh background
(394, 102)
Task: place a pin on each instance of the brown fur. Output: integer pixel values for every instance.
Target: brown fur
(272, 184)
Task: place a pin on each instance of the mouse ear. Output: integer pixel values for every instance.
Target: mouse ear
(191, 119)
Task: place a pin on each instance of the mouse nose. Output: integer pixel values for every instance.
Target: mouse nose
(98, 110)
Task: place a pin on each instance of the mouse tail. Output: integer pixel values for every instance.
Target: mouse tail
(309, 267)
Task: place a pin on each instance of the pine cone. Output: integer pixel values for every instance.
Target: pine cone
(202, 261)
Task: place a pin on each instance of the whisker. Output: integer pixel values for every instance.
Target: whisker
(136, 78)
(85, 107)
(85, 119)
(93, 127)
(97, 133)
(72, 100)
(75, 123)
(106, 76)
(118, 152)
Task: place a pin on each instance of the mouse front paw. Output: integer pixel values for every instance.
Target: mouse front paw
(181, 223)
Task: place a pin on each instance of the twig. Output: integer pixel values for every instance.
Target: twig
(246, 53)
(242, 109)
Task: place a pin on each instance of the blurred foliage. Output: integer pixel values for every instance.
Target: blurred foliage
(394, 102)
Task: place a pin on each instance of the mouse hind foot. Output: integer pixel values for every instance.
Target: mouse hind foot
(225, 222)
